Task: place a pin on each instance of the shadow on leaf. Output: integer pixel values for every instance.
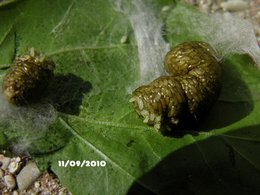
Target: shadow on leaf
(66, 93)
(235, 101)
(223, 164)
(36, 128)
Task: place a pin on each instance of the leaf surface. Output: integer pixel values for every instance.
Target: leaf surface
(96, 121)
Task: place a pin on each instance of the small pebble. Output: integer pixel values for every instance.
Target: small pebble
(10, 181)
(15, 193)
(27, 176)
(234, 5)
(63, 191)
(5, 161)
(14, 165)
(2, 173)
(37, 184)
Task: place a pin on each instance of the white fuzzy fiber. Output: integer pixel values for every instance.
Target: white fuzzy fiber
(31, 120)
(227, 33)
(147, 28)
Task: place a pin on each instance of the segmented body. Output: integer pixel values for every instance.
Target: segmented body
(187, 94)
(27, 78)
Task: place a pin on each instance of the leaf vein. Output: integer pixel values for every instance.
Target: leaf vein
(89, 144)
(242, 155)
(240, 138)
(73, 49)
(63, 20)
(6, 34)
(113, 124)
(102, 154)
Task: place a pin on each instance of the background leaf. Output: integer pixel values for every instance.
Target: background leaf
(96, 122)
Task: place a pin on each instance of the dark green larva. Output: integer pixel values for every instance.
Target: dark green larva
(187, 93)
(27, 77)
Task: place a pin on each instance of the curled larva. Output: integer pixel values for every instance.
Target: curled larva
(187, 93)
(27, 77)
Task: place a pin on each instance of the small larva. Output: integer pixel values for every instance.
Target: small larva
(187, 94)
(27, 77)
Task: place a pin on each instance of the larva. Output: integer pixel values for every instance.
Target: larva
(27, 77)
(187, 93)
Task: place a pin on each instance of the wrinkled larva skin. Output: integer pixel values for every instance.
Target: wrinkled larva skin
(27, 78)
(187, 94)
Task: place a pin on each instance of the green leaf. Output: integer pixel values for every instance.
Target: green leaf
(97, 123)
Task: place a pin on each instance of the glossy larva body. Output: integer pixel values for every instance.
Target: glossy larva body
(27, 77)
(187, 93)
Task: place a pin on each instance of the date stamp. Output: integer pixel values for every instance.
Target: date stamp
(82, 163)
